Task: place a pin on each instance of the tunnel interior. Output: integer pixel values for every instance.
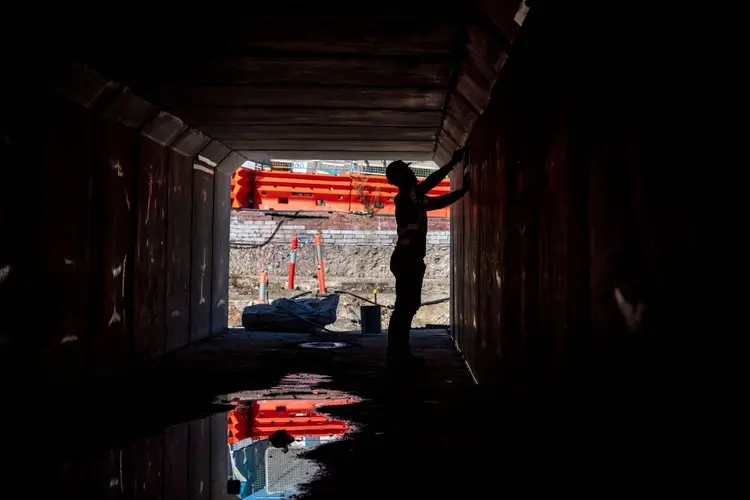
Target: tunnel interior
(581, 290)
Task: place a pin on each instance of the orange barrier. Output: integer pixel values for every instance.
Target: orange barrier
(241, 189)
(270, 190)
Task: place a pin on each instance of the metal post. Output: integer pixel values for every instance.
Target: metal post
(319, 258)
(292, 262)
(263, 288)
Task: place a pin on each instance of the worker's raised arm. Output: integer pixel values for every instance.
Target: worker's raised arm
(438, 175)
(438, 202)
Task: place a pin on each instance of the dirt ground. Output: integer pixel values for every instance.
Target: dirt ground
(243, 293)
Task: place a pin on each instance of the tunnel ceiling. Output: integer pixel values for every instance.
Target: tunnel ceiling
(378, 87)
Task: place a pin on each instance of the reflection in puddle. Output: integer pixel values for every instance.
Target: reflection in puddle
(253, 451)
(267, 438)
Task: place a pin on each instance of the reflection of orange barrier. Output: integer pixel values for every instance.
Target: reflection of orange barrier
(269, 190)
(297, 416)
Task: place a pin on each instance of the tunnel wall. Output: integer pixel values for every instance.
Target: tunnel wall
(585, 178)
(117, 225)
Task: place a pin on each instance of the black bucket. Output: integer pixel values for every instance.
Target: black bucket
(370, 320)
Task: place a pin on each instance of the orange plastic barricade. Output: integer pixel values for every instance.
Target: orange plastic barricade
(274, 190)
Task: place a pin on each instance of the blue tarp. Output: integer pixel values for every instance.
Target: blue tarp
(287, 315)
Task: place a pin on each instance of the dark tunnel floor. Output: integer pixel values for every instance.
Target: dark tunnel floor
(163, 434)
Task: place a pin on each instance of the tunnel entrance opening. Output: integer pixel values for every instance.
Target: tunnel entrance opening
(580, 152)
(358, 235)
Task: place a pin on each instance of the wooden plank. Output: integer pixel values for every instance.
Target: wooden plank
(112, 237)
(179, 227)
(418, 98)
(199, 460)
(332, 145)
(150, 255)
(201, 261)
(63, 233)
(358, 71)
(220, 271)
(176, 462)
(148, 464)
(326, 132)
(203, 116)
(220, 464)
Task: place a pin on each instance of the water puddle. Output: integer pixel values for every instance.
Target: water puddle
(255, 450)
(268, 436)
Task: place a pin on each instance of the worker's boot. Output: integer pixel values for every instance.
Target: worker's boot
(403, 360)
(399, 355)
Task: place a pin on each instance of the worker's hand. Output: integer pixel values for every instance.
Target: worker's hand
(467, 181)
(458, 155)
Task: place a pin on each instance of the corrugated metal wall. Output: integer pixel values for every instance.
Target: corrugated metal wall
(584, 179)
(115, 232)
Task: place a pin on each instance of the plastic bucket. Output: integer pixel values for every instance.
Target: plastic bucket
(370, 320)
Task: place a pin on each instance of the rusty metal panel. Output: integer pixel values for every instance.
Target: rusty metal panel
(398, 71)
(214, 153)
(148, 465)
(190, 142)
(220, 271)
(258, 133)
(72, 479)
(199, 460)
(116, 473)
(179, 227)
(426, 145)
(206, 115)
(201, 261)
(176, 451)
(63, 234)
(405, 35)
(125, 107)
(520, 304)
(503, 14)
(164, 128)
(608, 222)
(220, 465)
(428, 98)
(82, 85)
(112, 242)
(150, 254)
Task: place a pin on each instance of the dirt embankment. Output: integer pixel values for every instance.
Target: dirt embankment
(341, 261)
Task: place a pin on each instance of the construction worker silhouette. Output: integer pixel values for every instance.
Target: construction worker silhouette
(407, 261)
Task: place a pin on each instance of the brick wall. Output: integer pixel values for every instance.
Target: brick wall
(249, 227)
